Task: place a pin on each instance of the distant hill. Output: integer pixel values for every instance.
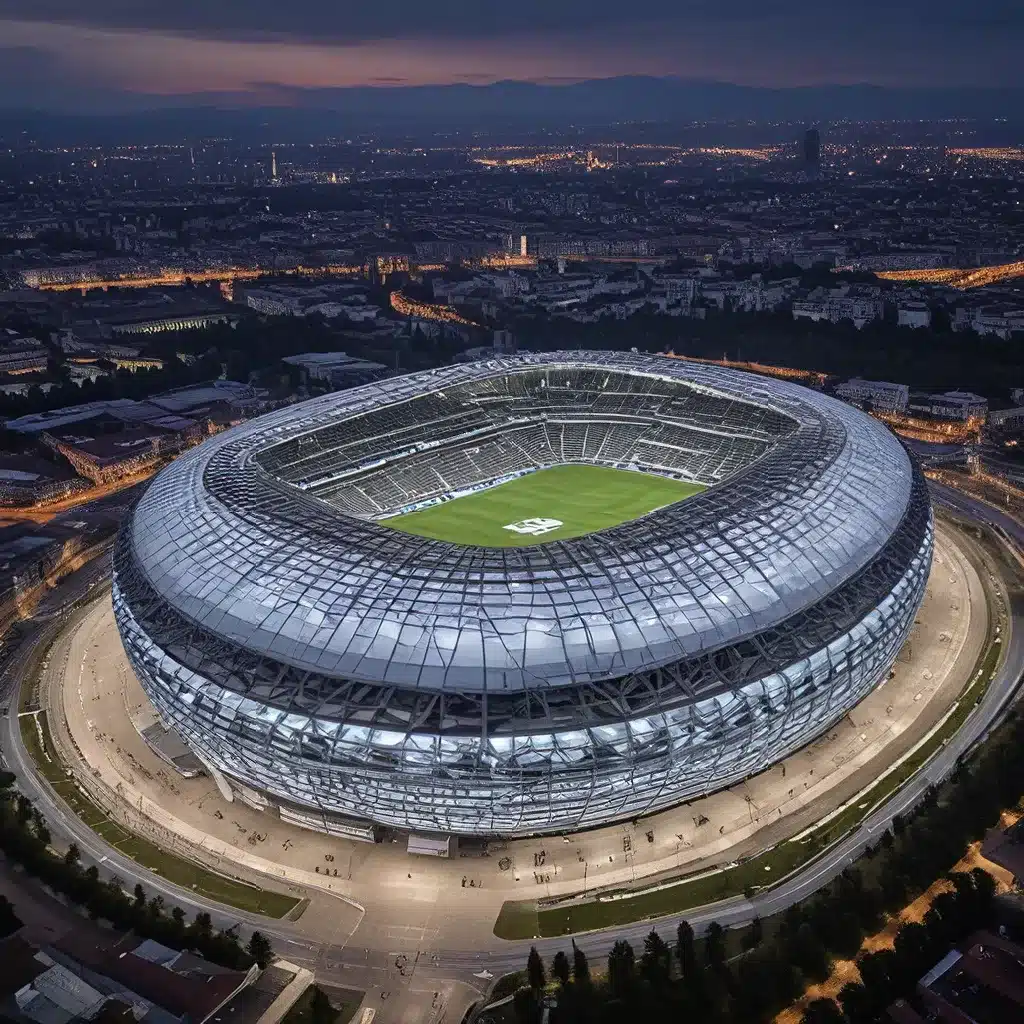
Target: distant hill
(319, 113)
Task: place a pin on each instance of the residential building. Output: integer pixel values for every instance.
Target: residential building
(882, 395)
(337, 369)
(913, 314)
(27, 480)
(77, 979)
(1001, 319)
(838, 307)
(959, 405)
(984, 982)
(1007, 419)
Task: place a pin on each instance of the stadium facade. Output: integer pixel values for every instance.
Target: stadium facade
(348, 673)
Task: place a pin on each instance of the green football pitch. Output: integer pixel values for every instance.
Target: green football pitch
(551, 504)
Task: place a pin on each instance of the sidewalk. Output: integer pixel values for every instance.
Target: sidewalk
(98, 691)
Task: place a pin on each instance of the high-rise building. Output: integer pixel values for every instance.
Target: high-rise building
(812, 150)
(273, 165)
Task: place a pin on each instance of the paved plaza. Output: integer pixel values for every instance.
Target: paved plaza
(415, 900)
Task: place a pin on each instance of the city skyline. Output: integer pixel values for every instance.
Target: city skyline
(114, 56)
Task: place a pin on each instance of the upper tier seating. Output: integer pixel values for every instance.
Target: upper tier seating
(423, 448)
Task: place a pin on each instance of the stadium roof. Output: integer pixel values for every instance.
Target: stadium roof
(280, 573)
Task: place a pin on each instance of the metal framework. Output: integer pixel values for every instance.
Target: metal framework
(309, 652)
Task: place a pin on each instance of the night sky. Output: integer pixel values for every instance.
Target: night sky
(97, 55)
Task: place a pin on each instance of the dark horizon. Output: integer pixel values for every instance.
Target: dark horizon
(628, 103)
(108, 55)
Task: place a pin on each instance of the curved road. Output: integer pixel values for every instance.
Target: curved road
(345, 965)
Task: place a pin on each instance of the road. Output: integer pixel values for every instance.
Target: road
(979, 511)
(340, 963)
(107, 501)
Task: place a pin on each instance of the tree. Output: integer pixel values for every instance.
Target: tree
(809, 953)
(823, 1011)
(260, 950)
(320, 1009)
(754, 935)
(524, 1006)
(714, 946)
(202, 926)
(655, 959)
(914, 949)
(72, 857)
(878, 970)
(140, 896)
(560, 968)
(984, 886)
(9, 921)
(580, 967)
(620, 968)
(847, 935)
(869, 908)
(894, 889)
(856, 1002)
(24, 811)
(686, 951)
(535, 970)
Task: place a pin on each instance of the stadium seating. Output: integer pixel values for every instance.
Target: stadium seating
(448, 441)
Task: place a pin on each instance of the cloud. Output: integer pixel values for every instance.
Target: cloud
(317, 20)
(66, 55)
(328, 20)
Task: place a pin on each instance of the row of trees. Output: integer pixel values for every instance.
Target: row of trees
(136, 385)
(25, 839)
(927, 358)
(9, 920)
(697, 979)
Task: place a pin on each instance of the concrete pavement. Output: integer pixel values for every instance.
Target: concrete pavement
(437, 958)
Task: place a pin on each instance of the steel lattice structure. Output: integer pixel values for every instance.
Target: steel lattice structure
(348, 670)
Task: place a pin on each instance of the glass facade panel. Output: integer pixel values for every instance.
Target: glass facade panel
(336, 664)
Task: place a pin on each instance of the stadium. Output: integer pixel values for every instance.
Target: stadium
(526, 595)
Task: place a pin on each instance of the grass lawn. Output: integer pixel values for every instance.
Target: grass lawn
(524, 919)
(582, 499)
(344, 1004)
(178, 870)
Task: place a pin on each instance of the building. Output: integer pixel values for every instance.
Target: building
(336, 368)
(984, 983)
(30, 556)
(1007, 419)
(36, 423)
(77, 979)
(859, 310)
(106, 456)
(882, 395)
(812, 152)
(27, 480)
(913, 314)
(19, 354)
(1001, 319)
(324, 664)
(173, 322)
(185, 411)
(959, 405)
(274, 302)
(138, 363)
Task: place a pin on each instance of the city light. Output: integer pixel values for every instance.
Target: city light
(977, 277)
(427, 310)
